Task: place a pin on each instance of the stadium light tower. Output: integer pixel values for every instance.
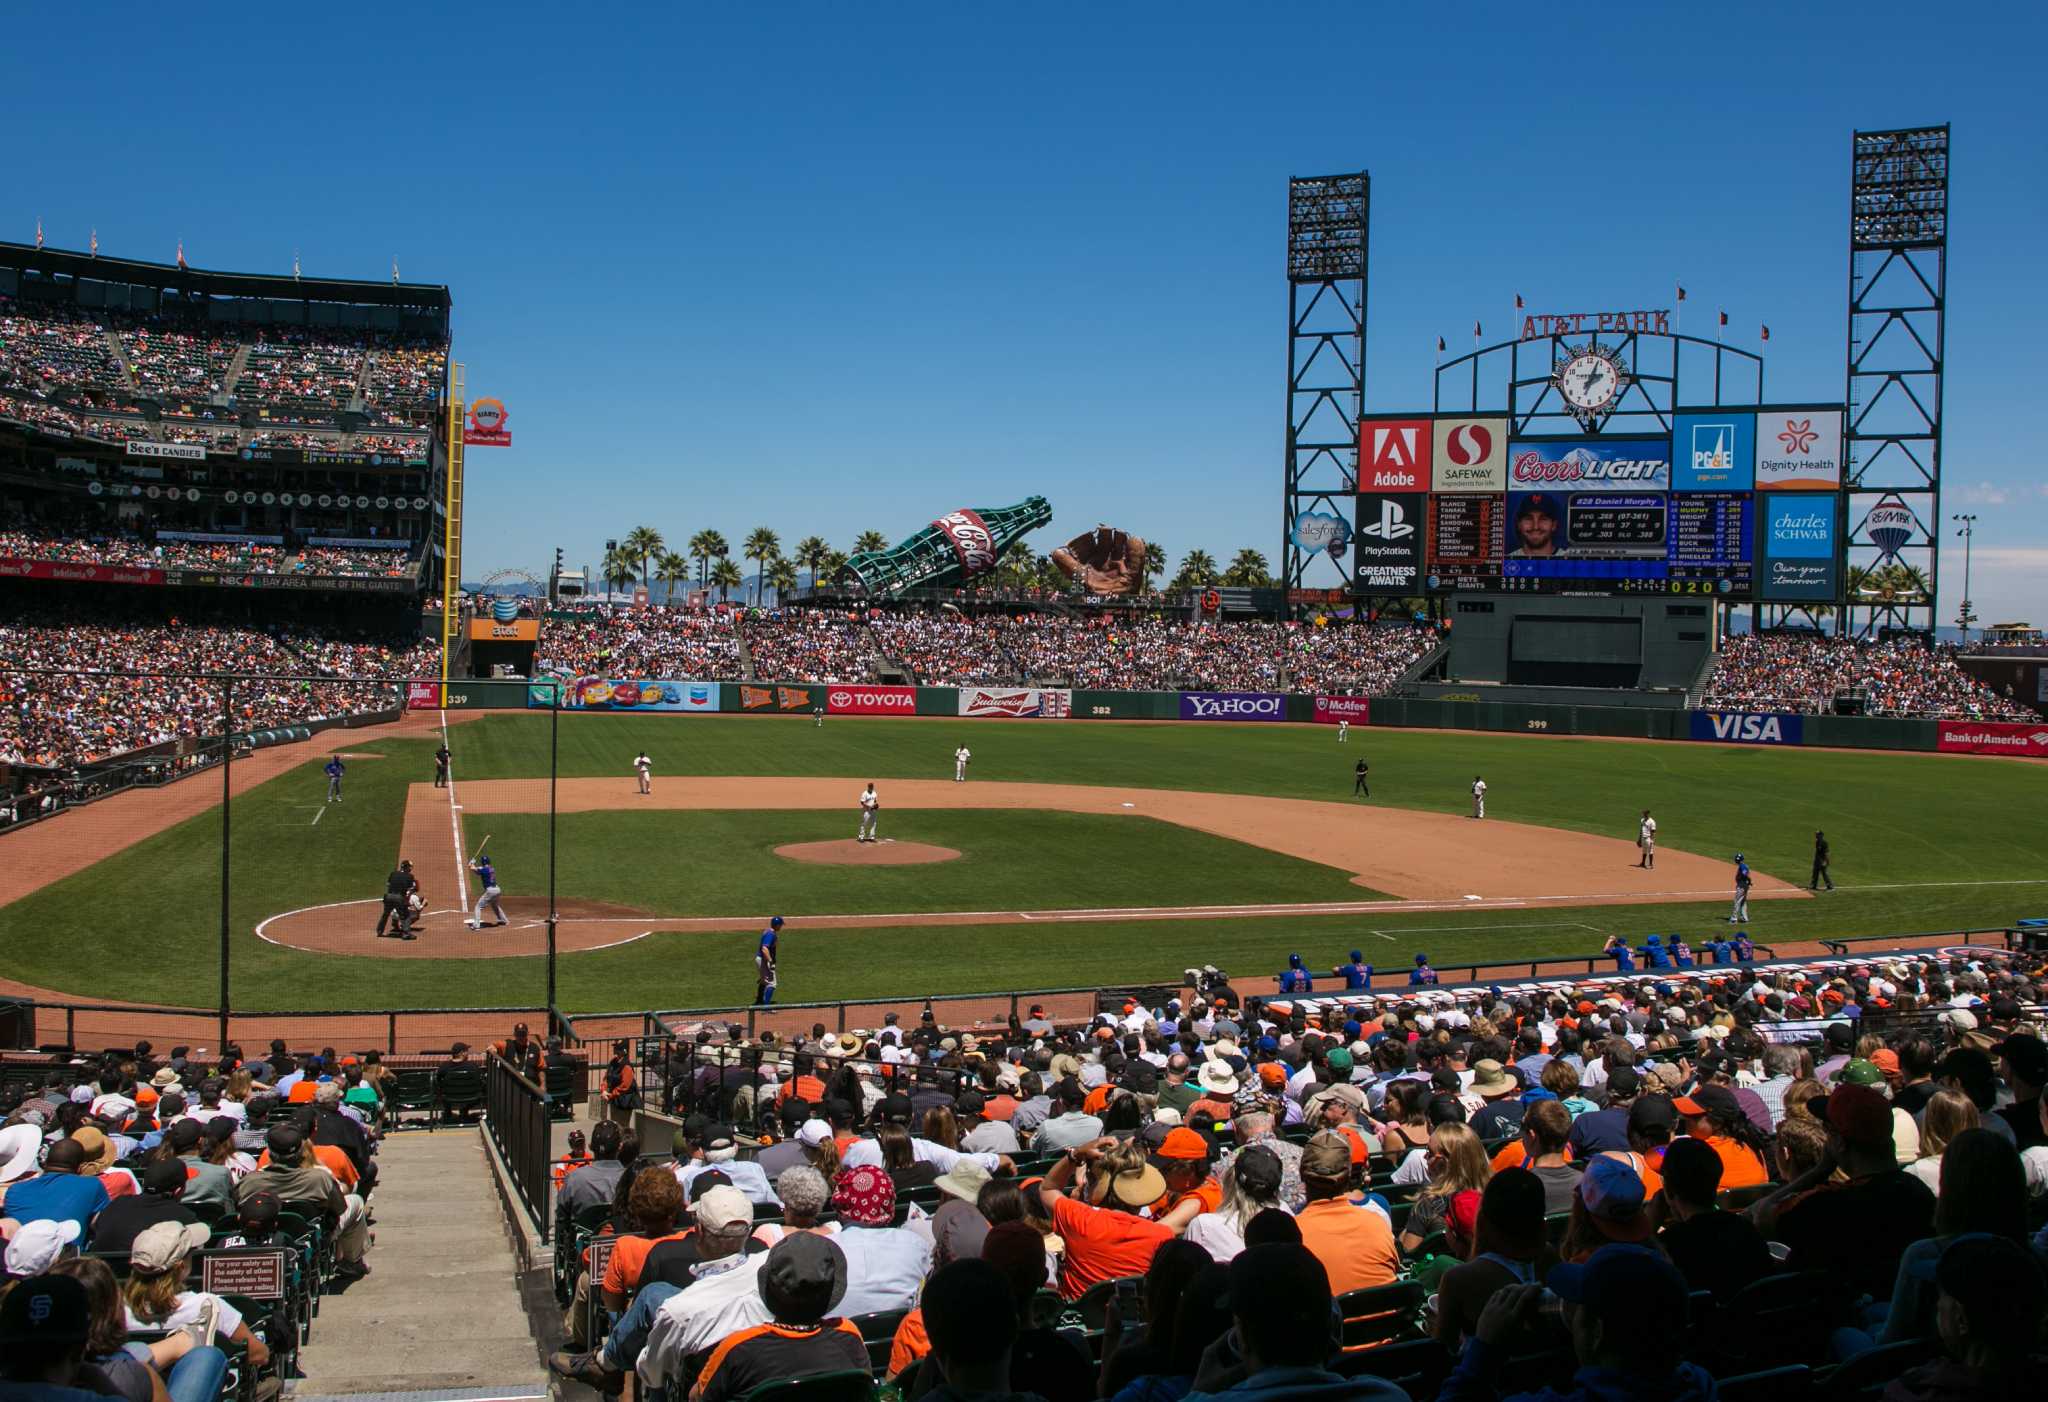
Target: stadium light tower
(1968, 524)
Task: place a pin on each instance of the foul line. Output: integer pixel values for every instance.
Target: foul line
(454, 818)
(318, 814)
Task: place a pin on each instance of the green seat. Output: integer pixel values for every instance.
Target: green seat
(411, 1090)
(846, 1385)
(1382, 1314)
(457, 1088)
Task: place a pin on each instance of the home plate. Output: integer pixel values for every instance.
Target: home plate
(1473, 898)
(1130, 805)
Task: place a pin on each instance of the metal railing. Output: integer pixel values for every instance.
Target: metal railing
(517, 1117)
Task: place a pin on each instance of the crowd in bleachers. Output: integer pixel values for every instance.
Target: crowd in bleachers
(652, 642)
(240, 556)
(68, 719)
(1783, 1180)
(121, 1174)
(1806, 672)
(54, 352)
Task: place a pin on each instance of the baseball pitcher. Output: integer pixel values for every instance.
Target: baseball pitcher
(870, 807)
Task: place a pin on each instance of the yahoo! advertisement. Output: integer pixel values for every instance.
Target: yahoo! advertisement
(1232, 705)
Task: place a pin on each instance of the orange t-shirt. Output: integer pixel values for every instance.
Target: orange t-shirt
(1209, 1192)
(807, 1088)
(1740, 1166)
(999, 1107)
(302, 1093)
(629, 1257)
(1355, 1244)
(1514, 1154)
(1097, 1101)
(1103, 1244)
(910, 1344)
(332, 1159)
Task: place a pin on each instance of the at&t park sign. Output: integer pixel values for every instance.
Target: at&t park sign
(1536, 327)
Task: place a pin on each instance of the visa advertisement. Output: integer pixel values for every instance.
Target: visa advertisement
(1749, 727)
(619, 694)
(1798, 548)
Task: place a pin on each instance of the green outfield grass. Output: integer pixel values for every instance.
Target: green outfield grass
(1921, 842)
(723, 863)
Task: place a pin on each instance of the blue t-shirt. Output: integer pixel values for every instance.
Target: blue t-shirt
(57, 1197)
(334, 769)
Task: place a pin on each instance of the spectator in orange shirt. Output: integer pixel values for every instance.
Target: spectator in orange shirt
(803, 1082)
(1191, 1189)
(1355, 1244)
(1105, 1237)
(1712, 1113)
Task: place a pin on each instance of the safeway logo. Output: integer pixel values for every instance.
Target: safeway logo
(1394, 455)
(1468, 445)
(1392, 525)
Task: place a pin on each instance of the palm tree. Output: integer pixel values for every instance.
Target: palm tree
(618, 567)
(1247, 569)
(1018, 569)
(832, 564)
(1155, 561)
(726, 575)
(643, 543)
(810, 554)
(782, 577)
(762, 546)
(1197, 571)
(870, 540)
(706, 546)
(671, 569)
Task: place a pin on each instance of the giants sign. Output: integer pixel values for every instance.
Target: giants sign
(1331, 709)
(1393, 455)
(1984, 737)
(871, 700)
(971, 539)
(1015, 703)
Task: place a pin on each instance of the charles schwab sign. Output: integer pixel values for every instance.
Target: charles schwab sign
(1232, 705)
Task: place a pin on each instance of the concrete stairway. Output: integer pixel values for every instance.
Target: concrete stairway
(440, 1315)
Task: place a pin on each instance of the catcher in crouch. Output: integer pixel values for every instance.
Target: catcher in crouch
(1105, 560)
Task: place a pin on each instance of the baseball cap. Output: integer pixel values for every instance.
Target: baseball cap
(185, 1134)
(45, 1310)
(804, 1278)
(1623, 1081)
(1623, 1283)
(1339, 1059)
(1326, 1155)
(1715, 1102)
(1859, 1073)
(2028, 1057)
(165, 1246)
(165, 1176)
(722, 1208)
(1184, 1144)
(1257, 1170)
(1859, 1114)
(1652, 1112)
(1613, 1195)
(1538, 501)
(35, 1246)
(897, 1109)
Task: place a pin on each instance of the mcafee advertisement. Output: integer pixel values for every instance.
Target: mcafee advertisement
(1990, 737)
(872, 700)
(1331, 709)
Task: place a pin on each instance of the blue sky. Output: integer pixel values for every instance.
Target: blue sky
(831, 267)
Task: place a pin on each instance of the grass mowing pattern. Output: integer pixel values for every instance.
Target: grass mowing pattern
(1913, 837)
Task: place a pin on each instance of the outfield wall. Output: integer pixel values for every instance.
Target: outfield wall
(686, 697)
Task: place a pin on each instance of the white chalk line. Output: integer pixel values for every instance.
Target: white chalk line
(454, 818)
(263, 926)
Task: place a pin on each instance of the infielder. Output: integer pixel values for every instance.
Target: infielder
(441, 758)
(644, 767)
(1740, 915)
(334, 770)
(870, 807)
(1343, 731)
(487, 878)
(960, 758)
(1646, 838)
(764, 963)
(1478, 797)
(400, 888)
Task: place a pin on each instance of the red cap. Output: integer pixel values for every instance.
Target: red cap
(1183, 1144)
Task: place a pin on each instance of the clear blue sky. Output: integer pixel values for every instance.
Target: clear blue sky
(832, 267)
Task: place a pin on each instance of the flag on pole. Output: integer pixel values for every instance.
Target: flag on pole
(1518, 301)
(39, 233)
(1475, 333)
(94, 246)
(1724, 318)
(1439, 345)
(1681, 292)
(1767, 333)
(295, 265)
(181, 253)
(394, 270)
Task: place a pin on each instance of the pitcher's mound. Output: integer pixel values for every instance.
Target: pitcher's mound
(866, 854)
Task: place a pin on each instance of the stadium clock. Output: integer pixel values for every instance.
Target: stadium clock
(1590, 382)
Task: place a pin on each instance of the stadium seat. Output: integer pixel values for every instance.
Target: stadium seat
(848, 1385)
(1383, 1314)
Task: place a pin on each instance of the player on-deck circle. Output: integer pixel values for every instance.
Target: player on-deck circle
(1478, 797)
(1646, 838)
(644, 767)
(487, 878)
(870, 808)
(960, 758)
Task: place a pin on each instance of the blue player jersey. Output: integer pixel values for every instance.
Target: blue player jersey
(487, 873)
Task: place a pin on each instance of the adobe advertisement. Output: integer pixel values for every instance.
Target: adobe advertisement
(1393, 455)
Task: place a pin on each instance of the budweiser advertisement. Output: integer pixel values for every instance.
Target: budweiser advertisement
(1331, 709)
(1232, 705)
(871, 700)
(422, 696)
(1986, 737)
(1015, 703)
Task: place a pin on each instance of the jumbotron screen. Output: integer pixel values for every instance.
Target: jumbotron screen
(1450, 505)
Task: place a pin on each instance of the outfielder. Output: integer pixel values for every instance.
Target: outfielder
(1740, 915)
(870, 807)
(960, 758)
(487, 878)
(1343, 731)
(644, 767)
(1478, 797)
(334, 770)
(818, 714)
(1646, 838)
(400, 888)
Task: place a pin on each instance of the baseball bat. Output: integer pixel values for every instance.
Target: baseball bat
(480, 848)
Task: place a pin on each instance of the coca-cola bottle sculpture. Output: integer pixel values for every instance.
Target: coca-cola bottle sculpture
(958, 547)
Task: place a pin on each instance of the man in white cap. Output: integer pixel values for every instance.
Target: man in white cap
(36, 1246)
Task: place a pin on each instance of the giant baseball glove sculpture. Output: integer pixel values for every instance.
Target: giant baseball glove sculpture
(1105, 560)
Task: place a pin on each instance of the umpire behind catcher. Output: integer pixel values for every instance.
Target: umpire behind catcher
(397, 887)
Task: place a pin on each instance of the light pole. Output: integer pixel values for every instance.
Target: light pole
(1964, 618)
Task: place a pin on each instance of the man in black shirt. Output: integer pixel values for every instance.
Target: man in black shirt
(1820, 863)
(163, 1183)
(1715, 1250)
(441, 767)
(2023, 1061)
(398, 888)
(1857, 1230)
(1598, 1131)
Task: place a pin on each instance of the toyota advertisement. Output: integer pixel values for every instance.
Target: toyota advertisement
(1232, 705)
(618, 694)
(1016, 703)
(871, 700)
(2027, 740)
